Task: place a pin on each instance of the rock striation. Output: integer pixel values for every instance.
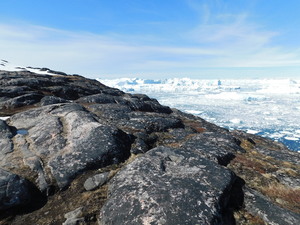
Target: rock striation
(74, 151)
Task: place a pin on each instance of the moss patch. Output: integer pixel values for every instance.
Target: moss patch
(260, 173)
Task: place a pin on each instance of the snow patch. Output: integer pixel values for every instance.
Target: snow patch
(4, 118)
(7, 66)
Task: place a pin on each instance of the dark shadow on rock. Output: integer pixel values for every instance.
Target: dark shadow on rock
(37, 201)
(234, 199)
(225, 159)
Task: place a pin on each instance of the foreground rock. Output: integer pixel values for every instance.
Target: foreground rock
(170, 186)
(74, 151)
(66, 140)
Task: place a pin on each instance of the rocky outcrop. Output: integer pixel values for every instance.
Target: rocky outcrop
(63, 140)
(74, 151)
(170, 186)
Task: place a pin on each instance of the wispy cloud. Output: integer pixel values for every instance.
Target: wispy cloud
(90, 53)
(218, 40)
(243, 43)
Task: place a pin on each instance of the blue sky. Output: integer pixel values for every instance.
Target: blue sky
(154, 38)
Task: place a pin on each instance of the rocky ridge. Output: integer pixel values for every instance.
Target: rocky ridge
(74, 151)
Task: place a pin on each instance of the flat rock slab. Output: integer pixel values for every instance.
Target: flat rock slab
(169, 186)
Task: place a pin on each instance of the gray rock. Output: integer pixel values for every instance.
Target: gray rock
(219, 147)
(98, 98)
(169, 186)
(6, 134)
(14, 190)
(75, 213)
(34, 162)
(138, 103)
(64, 140)
(74, 217)
(112, 112)
(96, 181)
(14, 91)
(49, 100)
(19, 89)
(139, 146)
(150, 122)
(74, 221)
(20, 101)
(261, 206)
(68, 125)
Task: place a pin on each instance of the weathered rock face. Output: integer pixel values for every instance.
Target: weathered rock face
(22, 89)
(77, 152)
(6, 134)
(170, 186)
(61, 141)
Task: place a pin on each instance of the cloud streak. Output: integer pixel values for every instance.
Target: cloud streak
(218, 41)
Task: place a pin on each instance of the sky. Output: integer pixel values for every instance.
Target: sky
(154, 38)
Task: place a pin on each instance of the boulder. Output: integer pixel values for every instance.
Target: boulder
(169, 186)
(96, 181)
(74, 217)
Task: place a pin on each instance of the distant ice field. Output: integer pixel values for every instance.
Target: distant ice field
(267, 107)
